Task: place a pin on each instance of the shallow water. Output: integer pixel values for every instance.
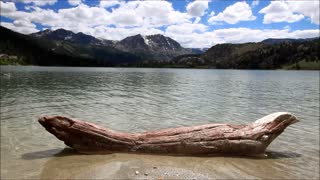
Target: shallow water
(136, 100)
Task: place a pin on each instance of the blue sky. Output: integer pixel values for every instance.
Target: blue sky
(191, 23)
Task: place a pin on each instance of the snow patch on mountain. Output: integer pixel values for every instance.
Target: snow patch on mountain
(67, 38)
(146, 40)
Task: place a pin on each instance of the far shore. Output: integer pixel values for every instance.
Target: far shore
(164, 67)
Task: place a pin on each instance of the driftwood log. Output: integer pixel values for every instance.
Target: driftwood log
(205, 139)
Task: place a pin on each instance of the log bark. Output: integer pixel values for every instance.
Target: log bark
(205, 139)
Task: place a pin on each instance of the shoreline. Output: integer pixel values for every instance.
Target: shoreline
(135, 67)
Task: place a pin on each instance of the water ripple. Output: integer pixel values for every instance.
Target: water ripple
(136, 100)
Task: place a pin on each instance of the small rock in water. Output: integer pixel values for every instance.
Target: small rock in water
(265, 155)
(146, 174)
(137, 172)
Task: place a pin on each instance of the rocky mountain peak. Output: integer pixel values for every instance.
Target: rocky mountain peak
(42, 33)
(59, 34)
(159, 40)
(69, 36)
(136, 41)
(156, 47)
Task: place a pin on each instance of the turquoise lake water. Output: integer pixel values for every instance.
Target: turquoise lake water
(137, 100)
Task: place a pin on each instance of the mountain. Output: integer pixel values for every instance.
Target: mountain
(82, 45)
(284, 55)
(264, 56)
(69, 36)
(42, 51)
(153, 47)
(65, 48)
(149, 48)
(272, 41)
(28, 50)
(127, 52)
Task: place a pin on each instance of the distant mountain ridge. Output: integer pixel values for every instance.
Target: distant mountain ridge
(31, 51)
(159, 47)
(65, 48)
(69, 36)
(280, 54)
(36, 50)
(152, 47)
(272, 41)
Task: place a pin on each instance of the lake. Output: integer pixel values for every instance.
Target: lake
(137, 100)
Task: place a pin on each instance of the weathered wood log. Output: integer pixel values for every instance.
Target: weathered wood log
(205, 139)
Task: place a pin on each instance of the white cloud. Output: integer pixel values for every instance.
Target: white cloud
(207, 39)
(190, 35)
(308, 33)
(290, 11)
(186, 28)
(78, 19)
(7, 7)
(24, 23)
(74, 2)
(309, 9)
(146, 14)
(106, 4)
(46, 2)
(241, 35)
(21, 26)
(37, 2)
(279, 11)
(197, 8)
(196, 40)
(156, 13)
(287, 27)
(197, 20)
(126, 18)
(120, 33)
(255, 3)
(239, 11)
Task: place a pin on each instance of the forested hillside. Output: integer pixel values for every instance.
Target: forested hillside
(285, 55)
